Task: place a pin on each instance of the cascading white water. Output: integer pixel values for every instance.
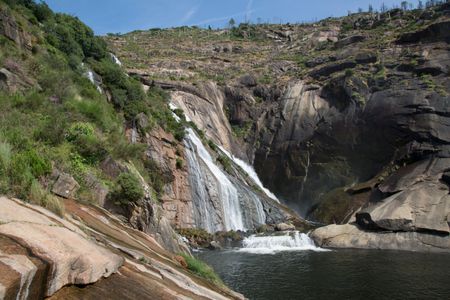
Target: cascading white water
(203, 212)
(91, 77)
(116, 59)
(250, 172)
(259, 209)
(232, 214)
(289, 241)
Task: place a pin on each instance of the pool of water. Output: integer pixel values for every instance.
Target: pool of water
(340, 274)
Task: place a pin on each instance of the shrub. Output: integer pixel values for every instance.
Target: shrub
(20, 176)
(201, 269)
(39, 165)
(155, 175)
(179, 163)
(88, 145)
(129, 189)
(225, 162)
(78, 130)
(5, 156)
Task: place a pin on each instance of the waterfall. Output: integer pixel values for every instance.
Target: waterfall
(288, 241)
(116, 59)
(227, 192)
(90, 75)
(250, 172)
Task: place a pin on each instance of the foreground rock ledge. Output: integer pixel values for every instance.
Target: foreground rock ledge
(350, 236)
(88, 255)
(72, 259)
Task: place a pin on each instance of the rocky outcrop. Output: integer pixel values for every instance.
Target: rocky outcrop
(12, 30)
(65, 186)
(423, 207)
(349, 236)
(68, 256)
(42, 255)
(436, 32)
(207, 112)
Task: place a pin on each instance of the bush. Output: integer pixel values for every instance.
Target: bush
(80, 129)
(5, 156)
(225, 162)
(20, 176)
(179, 163)
(39, 165)
(88, 145)
(129, 189)
(201, 269)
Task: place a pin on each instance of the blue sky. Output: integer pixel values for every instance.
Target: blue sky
(121, 16)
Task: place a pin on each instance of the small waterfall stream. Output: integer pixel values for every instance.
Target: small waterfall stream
(250, 172)
(116, 59)
(288, 241)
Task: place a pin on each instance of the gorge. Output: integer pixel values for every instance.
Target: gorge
(298, 160)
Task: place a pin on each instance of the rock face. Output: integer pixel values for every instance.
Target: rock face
(355, 129)
(68, 256)
(42, 255)
(10, 29)
(349, 236)
(65, 186)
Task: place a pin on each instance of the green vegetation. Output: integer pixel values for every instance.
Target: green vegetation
(242, 131)
(201, 269)
(62, 121)
(225, 162)
(128, 189)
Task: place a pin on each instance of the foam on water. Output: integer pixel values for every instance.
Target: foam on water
(290, 241)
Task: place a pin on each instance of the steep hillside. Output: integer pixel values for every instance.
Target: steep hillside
(122, 171)
(336, 116)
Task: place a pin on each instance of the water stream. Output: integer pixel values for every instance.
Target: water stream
(250, 172)
(227, 192)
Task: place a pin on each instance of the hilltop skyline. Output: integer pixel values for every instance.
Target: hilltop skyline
(121, 16)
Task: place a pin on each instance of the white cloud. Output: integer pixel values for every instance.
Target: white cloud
(189, 14)
(225, 18)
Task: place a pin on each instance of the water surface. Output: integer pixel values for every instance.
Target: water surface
(341, 274)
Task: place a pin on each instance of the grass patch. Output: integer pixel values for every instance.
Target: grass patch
(201, 269)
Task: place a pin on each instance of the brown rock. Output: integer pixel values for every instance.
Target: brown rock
(180, 259)
(65, 186)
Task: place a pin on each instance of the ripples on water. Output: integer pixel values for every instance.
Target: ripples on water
(341, 274)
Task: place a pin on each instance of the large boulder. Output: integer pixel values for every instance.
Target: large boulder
(65, 186)
(350, 236)
(424, 206)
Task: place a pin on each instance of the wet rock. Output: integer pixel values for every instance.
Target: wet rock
(214, 245)
(65, 186)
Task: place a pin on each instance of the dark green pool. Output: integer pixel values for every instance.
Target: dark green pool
(342, 274)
